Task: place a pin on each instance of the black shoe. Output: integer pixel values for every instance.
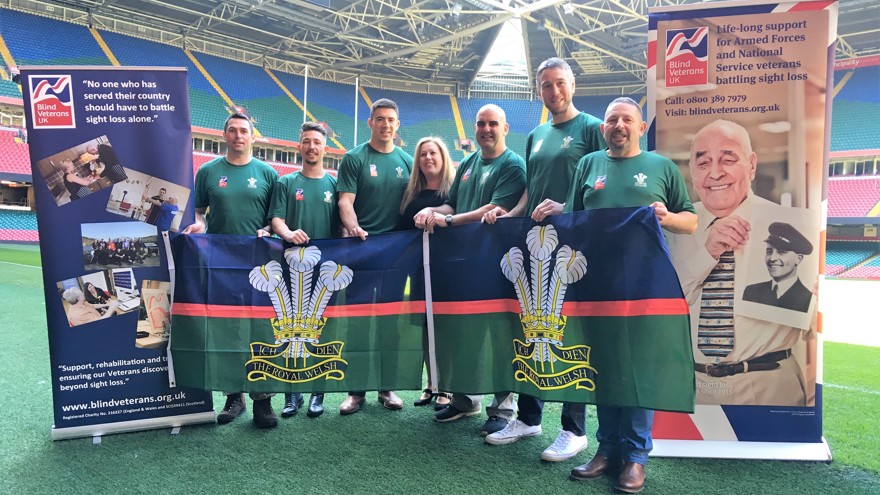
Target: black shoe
(426, 398)
(264, 416)
(292, 403)
(316, 406)
(493, 424)
(450, 413)
(233, 409)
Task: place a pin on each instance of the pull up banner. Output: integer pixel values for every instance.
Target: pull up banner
(111, 155)
(739, 94)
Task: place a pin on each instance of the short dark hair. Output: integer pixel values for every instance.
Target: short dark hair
(553, 63)
(384, 103)
(627, 100)
(162, 189)
(238, 115)
(313, 126)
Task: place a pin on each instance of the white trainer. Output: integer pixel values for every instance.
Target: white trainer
(566, 446)
(514, 430)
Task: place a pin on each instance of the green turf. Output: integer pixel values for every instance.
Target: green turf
(375, 450)
(23, 254)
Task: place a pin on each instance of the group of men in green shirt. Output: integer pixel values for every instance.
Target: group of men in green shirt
(574, 161)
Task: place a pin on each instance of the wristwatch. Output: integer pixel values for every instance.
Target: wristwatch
(448, 220)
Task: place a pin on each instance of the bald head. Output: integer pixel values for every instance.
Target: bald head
(491, 128)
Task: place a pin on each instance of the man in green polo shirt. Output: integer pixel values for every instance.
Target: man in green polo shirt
(232, 197)
(304, 207)
(620, 177)
(372, 179)
(493, 178)
(552, 153)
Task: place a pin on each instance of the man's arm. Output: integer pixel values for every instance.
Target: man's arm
(683, 222)
(298, 236)
(499, 212)
(349, 217)
(198, 226)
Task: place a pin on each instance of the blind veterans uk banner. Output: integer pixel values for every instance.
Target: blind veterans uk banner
(112, 169)
(740, 93)
(335, 315)
(547, 310)
(583, 308)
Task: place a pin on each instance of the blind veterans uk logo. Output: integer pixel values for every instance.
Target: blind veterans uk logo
(51, 102)
(687, 60)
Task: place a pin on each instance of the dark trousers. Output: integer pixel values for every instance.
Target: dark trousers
(573, 415)
(625, 433)
(363, 394)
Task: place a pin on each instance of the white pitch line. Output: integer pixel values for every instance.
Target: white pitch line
(19, 264)
(852, 389)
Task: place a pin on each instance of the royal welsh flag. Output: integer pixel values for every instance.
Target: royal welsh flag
(258, 316)
(585, 307)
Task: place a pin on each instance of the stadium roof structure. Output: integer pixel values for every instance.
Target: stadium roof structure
(423, 45)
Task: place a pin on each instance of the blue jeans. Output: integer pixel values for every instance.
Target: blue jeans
(573, 415)
(625, 433)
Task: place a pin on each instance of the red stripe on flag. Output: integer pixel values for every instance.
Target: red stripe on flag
(652, 53)
(643, 307)
(674, 426)
(805, 6)
(220, 311)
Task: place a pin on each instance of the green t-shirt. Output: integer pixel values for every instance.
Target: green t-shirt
(478, 182)
(378, 181)
(552, 154)
(605, 182)
(307, 204)
(237, 197)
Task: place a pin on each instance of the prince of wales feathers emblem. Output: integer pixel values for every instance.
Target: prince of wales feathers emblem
(541, 313)
(299, 319)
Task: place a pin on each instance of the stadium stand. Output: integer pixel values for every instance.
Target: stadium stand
(843, 255)
(207, 108)
(329, 102)
(852, 196)
(853, 117)
(522, 115)
(273, 112)
(420, 115)
(15, 163)
(18, 226)
(26, 37)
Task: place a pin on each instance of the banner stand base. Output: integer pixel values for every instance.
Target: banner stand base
(715, 449)
(96, 431)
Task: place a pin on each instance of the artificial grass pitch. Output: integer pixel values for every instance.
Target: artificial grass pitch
(376, 450)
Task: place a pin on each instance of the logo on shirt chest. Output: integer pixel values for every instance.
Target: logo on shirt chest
(537, 146)
(328, 197)
(399, 171)
(600, 182)
(566, 141)
(299, 195)
(466, 176)
(223, 181)
(485, 176)
(374, 172)
(640, 180)
(252, 183)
